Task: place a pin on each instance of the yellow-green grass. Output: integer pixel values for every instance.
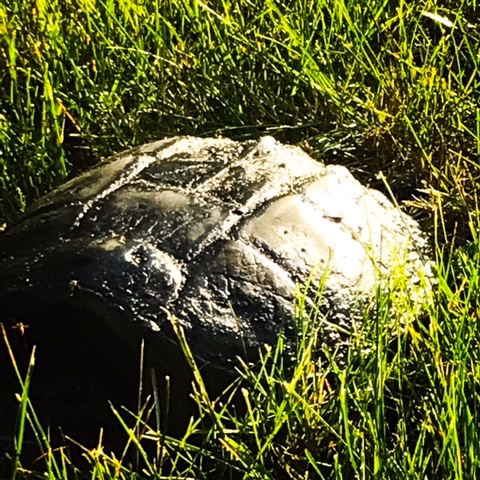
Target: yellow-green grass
(403, 403)
(377, 85)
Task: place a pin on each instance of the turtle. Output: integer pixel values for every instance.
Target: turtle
(216, 234)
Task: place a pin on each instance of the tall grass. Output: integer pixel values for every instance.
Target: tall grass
(389, 88)
(403, 403)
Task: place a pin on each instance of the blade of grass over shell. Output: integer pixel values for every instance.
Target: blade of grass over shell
(26, 415)
(22, 413)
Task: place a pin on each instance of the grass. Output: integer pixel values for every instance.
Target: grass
(390, 89)
(388, 86)
(401, 404)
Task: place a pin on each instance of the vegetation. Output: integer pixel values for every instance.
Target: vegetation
(389, 89)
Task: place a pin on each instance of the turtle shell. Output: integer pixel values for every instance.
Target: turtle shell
(220, 234)
(216, 232)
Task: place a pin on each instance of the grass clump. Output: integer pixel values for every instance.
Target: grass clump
(378, 86)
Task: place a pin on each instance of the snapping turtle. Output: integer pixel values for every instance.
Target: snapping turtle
(214, 231)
